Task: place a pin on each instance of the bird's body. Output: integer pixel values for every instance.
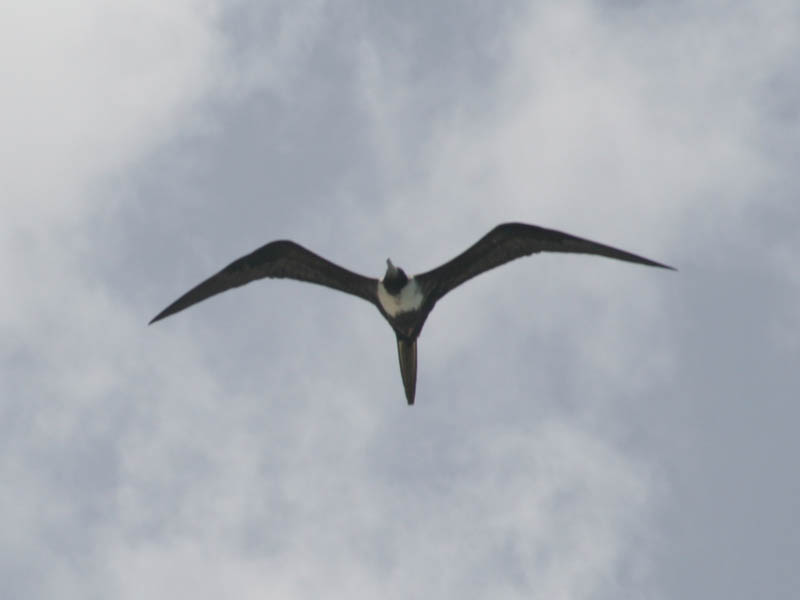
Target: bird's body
(405, 302)
(408, 299)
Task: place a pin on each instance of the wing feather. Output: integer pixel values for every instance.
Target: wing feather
(279, 259)
(510, 241)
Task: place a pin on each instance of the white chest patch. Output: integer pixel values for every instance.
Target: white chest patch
(410, 298)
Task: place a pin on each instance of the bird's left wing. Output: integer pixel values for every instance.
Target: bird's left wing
(507, 242)
(282, 259)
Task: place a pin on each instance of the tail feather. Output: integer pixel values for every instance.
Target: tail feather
(407, 353)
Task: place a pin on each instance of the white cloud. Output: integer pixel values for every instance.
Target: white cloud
(620, 128)
(93, 86)
(548, 514)
(276, 457)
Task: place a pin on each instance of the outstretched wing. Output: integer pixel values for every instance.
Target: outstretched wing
(508, 241)
(283, 259)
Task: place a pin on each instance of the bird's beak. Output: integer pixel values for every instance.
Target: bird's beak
(390, 268)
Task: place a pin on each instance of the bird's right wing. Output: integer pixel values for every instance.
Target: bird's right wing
(282, 259)
(507, 242)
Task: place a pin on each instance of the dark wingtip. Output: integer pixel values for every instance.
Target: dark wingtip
(659, 265)
(644, 261)
(164, 313)
(173, 308)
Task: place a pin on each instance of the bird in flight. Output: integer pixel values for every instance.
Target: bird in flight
(405, 302)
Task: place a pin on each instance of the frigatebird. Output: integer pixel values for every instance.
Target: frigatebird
(405, 302)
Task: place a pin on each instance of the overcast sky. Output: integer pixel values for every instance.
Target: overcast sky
(584, 428)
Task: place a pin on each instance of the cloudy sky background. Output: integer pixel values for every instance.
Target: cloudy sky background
(584, 428)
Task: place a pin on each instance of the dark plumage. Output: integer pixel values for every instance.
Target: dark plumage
(404, 302)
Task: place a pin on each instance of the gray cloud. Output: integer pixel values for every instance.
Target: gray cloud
(585, 429)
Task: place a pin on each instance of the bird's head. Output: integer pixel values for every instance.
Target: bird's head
(395, 278)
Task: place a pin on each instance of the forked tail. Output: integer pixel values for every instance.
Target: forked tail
(407, 353)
